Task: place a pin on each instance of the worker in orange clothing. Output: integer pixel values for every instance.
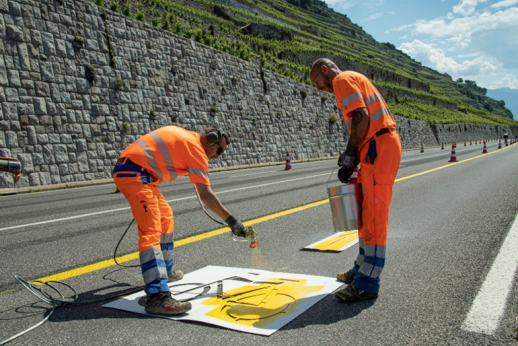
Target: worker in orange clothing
(163, 155)
(375, 144)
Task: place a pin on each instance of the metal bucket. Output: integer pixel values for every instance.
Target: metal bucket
(345, 202)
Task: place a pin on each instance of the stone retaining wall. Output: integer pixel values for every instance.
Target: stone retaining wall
(64, 128)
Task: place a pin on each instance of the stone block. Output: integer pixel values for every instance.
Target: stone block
(61, 153)
(14, 78)
(11, 95)
(10, 110)
(27, 162)
(48, 153)
(11, 139)
(34, 179)
(37, 159)
(14, 33)
(23, 57)
(42, 138)
(40, 106)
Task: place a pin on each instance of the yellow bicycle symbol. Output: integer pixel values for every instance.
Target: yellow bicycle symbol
(258, 305)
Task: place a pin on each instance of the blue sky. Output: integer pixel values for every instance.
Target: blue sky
(468, 39)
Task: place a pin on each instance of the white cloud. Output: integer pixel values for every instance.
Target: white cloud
(372, 17)
(484, 69)
(461, 29)
(466, 7)
(505, 3)
(435, 57)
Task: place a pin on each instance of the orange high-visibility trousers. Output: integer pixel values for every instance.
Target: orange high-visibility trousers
(154, 218)
(379, 158)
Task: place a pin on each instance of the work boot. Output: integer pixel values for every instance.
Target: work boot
(164, 304)
(354, 294)
(175, 275)
(346, 277)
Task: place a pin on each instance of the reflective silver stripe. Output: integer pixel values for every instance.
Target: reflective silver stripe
(351, 98)
(198, 172)
(376, 272)
(366, 268)
(370, 270)
(359, 260)
(162, 146)
(168, 254)
(379, 113)
(154, 273)
(380, 251)
(167, 238)
(150, 254)
(375, 251)
(149, 156)
(373, 99)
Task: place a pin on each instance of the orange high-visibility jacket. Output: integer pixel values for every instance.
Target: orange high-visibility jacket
(169, 152)
(353, 90)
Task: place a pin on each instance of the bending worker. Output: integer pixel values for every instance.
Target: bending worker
(163, 155)
(375, 144)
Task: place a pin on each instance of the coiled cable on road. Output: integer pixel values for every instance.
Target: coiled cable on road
(32, 286)
(49, 299)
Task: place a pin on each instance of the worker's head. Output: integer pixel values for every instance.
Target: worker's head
(322, 74)
(214, 142)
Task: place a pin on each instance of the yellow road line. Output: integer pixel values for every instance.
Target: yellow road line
(108, 263)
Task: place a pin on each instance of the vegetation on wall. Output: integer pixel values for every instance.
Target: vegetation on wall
(309, 29)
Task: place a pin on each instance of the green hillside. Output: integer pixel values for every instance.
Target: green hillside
(287, 36)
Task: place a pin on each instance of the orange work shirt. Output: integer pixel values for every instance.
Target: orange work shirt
(352, 91)
(169, 152)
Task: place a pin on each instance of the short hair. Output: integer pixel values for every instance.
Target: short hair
(321, 62)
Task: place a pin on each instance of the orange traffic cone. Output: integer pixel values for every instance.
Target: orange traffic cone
(422, 148)
(288, 162)
(499, 144)
(453, 158)
(484, 149)
(442, 145)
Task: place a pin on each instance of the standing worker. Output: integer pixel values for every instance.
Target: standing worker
(163, 155)
(375, 144)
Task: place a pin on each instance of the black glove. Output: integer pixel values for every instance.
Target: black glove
(236, 226)
(347, 161)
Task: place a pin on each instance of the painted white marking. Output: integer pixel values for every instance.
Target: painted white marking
(490, 303)
(170, 201)
(245, 175)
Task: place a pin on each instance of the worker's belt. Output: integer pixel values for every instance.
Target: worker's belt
(127, 161)
(384, 130)
(129, 168)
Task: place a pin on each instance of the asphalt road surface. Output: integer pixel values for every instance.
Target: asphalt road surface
(449, 277)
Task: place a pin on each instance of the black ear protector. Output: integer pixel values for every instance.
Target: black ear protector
(213, 137)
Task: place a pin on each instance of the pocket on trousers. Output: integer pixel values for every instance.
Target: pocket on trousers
(383, 179)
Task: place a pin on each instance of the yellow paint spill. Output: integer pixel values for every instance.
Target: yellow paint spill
(261, 304)
(337, 242)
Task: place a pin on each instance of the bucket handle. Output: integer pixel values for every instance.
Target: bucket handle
(332, 173)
